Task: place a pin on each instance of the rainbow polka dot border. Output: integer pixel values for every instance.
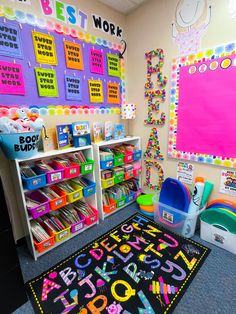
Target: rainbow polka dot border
(209, 54)
(24, 17)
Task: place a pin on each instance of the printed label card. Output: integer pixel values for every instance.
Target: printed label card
(73, 54)
(11, 79)
(47, 82)
(10, 41)
(95, 91)
(113, 93)
(228, 182)
(44, 48)
(113, 63)
(185, 172)
(73, 85)
(96, 61)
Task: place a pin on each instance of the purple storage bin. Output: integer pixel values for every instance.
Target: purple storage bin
(54, 176)
(41, 209)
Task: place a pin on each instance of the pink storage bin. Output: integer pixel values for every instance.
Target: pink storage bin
(129, 156)
(91, 219)
(137, 170)
(69, 172)
(41, 209)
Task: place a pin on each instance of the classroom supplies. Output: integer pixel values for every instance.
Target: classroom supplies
(81, 133)
(194, 206)
(208, 187)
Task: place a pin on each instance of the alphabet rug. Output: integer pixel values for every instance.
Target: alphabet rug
(137, 267)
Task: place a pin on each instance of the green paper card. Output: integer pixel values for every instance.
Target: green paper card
(113, 63)
(47, 82)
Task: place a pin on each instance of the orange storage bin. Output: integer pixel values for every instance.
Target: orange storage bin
(59, 201)
(109, 208)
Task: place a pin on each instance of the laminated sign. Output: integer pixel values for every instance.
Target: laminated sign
(96, 61)
(95, 91)
(11, 79)
(10, 41)
(113, 93)
(47, 82)
(73, 54)
(113, 63)
(44, 48)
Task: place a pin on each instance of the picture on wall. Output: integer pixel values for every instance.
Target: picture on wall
(202, 108)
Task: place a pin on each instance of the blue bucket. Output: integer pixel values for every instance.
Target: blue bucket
(20, 145)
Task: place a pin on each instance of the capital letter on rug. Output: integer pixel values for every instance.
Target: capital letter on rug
(148, 308)
(115, 236)
(138, 241)
(48, 286)
(156, 263)
(106, 245)
(102, 272)
(126, 229)
(132, 273)
(140, 220)
(171, 269)
(152, 230)
(174, 244)
(124, 259)
(68, 307)
(90, 284)
(78, 265)
(128, 292)
(97, 310)
(94, 253)
(150, 248)
(189, 264)
(66, 273)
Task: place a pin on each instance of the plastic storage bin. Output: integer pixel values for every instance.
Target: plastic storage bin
(69, 172)
(137, 193)
(119, 178)
(137, 154)
(108, 183)
(87, 167)
(110, 208)
(137, 169)
(54, 176)
(120, 202)
(90, 189)
(35, 182)
(76, 226)
(129, 156)
(106, 164)
(59, 201)
(129, 174)
(76, 195)
(41, 209)
(91, 219)
(118, 160)
(175, 220)
(62, 235)
(129, 198)
(46, 244)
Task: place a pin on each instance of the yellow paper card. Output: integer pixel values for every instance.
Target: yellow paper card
(95, 91)
(73, 54)
(44, 48)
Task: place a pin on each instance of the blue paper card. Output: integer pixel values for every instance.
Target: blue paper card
(10, 41)
(64, 136)
(119, 131)
(73, 85)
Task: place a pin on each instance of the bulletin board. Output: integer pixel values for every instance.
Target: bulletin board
(202, 107)
(55, 67)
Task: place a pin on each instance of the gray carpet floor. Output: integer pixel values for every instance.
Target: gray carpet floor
(212, 291)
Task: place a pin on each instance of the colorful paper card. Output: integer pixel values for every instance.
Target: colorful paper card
(11, 79)
(113, 93)
(64, 136)
(202, 109)
(119, 131)
(228, 182)
(73, 85)
(10, 41)
(47, 82)
(113, 63)
(44, 48)
(95, 91)
(96, 61)
(73, 54)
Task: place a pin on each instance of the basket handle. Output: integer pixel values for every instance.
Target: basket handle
(220, 227)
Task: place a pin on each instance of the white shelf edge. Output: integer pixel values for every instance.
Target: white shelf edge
(55, 153)
(72, 235)
(111, 142)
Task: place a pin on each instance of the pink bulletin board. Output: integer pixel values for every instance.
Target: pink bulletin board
(203, 107)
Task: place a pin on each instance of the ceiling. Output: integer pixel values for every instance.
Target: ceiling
(123, 6)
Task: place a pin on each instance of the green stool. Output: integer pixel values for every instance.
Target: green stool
(146, 204)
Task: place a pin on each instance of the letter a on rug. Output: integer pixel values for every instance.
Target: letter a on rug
(137, 267)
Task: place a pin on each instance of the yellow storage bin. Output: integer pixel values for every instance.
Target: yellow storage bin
(108, 183)
(62, 235)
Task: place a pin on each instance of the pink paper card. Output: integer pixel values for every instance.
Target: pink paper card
(11, 79)
(96, 61)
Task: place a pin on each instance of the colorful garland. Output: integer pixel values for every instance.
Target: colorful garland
(160, 171)
(153, 144)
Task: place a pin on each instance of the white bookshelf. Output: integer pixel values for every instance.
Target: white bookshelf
(135, 140)
(20, 194)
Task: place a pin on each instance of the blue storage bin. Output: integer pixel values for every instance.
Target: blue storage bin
(137, 154)
(90, 189)
(129, 198)
(107, 164)
(35, 182)
(82, 140)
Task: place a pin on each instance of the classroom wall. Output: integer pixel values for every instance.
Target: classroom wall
(149, 28)
(88, 7)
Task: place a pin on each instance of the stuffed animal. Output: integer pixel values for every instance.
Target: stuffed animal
(9, 126)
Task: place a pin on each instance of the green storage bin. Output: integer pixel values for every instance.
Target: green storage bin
(119, 160)
(87, 167)
(119, 178)
(120, 202)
